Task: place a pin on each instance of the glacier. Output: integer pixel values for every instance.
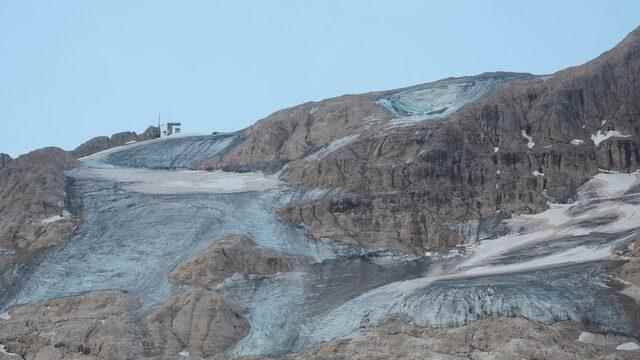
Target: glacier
(441, 98)
(145, 210)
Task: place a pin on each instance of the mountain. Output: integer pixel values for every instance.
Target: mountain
(493, 216)
(410, 180)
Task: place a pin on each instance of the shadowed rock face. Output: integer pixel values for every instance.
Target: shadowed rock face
(32, 201)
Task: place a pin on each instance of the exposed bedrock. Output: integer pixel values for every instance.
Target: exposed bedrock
(411, 184)
(195, 321)
(5, 159)
(32, 210)
(491, 339)
(198, 320)
(235, 253)
(107, 325)
(93, 326)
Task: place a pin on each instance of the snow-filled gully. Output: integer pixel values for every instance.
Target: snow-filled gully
(140, 220)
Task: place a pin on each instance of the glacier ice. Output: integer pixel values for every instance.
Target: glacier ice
(441, 98)
(144, 212)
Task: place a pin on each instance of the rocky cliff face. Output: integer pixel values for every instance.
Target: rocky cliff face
(4, 160)
(401, 170)
(481, 340)
(32, 207)
(233, 254)
(101, 143)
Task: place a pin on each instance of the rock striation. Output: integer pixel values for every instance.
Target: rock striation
(235, 253)
(414, 181)
(94, 326)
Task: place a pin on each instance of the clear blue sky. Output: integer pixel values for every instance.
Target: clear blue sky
(71, 70)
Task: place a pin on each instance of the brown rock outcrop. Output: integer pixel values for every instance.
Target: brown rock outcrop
(481, 340)
(429, 184)
(32, 216)
(198, 322)
(98, 325)
(101, 143)
(233, 254)
(292, 133)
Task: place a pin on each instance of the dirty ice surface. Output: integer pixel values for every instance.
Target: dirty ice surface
(441, 98)
(551, 267)
(140, 221)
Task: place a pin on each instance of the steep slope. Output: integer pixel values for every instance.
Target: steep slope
(299, 131)
(532, 177)
(415, 181)
(32, 209)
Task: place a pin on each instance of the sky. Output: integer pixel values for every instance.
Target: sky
(74, 69)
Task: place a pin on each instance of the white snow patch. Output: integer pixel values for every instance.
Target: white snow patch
(629, 346)
(600, 136)
(577, 142)
(593, 339)
(184, 353)
(130, 142)
(55, 218)
(5, 316)
(537, 173)
(333, 146)
(3, 350)
(530, 143)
